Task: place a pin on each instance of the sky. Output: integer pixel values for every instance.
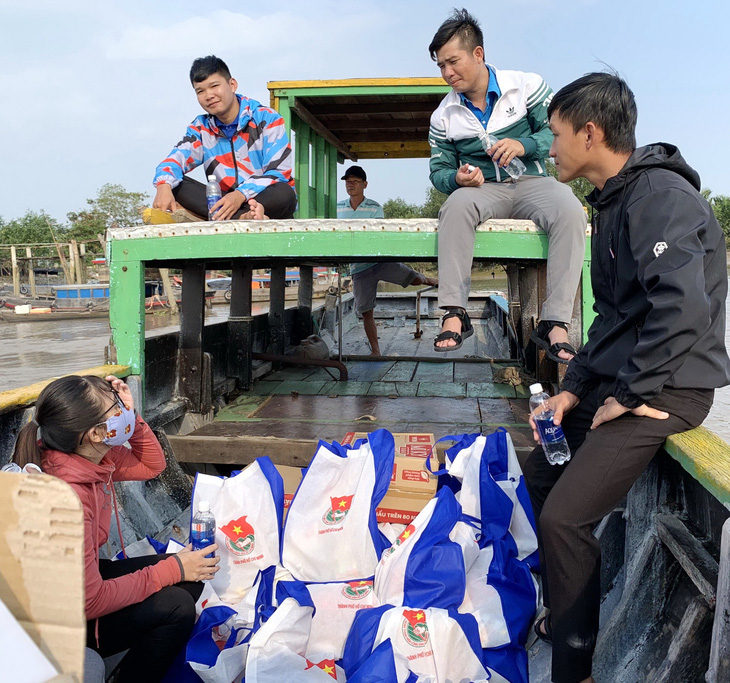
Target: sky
(98, 92)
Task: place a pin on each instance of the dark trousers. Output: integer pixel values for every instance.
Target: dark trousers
(153, 631)
(279, 200)
(570, 500)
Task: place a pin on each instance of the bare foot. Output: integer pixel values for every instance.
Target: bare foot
(450, 325)
(375, 352)
(558, 335)
(255, 212)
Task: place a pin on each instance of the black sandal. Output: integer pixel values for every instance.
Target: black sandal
(547, 636)
(466, 331)
(540, 337)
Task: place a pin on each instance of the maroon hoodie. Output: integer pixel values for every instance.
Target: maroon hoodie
(93, 484)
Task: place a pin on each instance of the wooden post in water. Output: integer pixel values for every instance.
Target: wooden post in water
(240, 325)
(31, 272)
(304, 305)
(76, 260)
(16, 273)
(71, 266)
(277, 295)
(190, 355)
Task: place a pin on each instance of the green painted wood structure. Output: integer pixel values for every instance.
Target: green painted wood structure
(225, 244)
(364, 118)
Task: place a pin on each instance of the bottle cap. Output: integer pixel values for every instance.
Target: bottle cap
(211, 178)
(203, 506)
(536, 388)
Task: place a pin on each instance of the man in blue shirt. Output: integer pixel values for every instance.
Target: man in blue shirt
(365, 276)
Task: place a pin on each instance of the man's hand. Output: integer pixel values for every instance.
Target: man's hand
(611, 409)
(164, 199)
(561, 404)
(505, 151)
(225, 207)
(467, 178)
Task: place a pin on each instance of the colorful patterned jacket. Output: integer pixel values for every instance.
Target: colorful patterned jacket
(258, 155)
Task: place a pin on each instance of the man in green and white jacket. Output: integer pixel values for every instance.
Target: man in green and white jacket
(512, 106)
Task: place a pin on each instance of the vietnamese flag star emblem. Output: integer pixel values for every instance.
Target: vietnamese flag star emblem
(341, 504)
(237, 528)
(414, 616)
(407, 533)
(327, 665)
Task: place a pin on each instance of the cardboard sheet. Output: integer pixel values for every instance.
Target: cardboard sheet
(42, 566)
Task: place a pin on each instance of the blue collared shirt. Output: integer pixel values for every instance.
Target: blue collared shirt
(493, 94)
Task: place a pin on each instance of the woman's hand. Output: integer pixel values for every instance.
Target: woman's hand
(121, 387)
(196, 566)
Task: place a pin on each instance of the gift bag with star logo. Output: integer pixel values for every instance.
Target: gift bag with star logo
(248, 510)
(331, 533)
(279, 651)
(437, 644)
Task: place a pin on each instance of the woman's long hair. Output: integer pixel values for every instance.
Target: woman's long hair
(66, 409)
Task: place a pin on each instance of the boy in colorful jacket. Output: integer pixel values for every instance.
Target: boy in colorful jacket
(239, 141)
(512, 106)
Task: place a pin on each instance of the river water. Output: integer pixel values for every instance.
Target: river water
(30, 352)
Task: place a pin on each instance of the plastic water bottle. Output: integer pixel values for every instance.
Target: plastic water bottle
(202, 530)
(212, 195)
(514, 168)
(552, 438)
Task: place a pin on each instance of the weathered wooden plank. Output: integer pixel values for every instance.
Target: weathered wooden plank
(684, 660)
(368, 371)
(242, 450)
(349, 388)
(489, 390)
(303, 387)
(402, 371)
(698, 564)
(434, 372)
(719, 670)
(706, 457)
(473, 372)
(442, 389)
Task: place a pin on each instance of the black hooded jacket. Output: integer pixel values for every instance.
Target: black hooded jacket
(659, 276)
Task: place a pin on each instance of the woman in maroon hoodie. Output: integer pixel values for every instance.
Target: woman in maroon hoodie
(147, 604)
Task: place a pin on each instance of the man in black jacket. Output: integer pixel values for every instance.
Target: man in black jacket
(655, 351)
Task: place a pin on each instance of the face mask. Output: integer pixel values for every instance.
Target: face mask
(120, 426)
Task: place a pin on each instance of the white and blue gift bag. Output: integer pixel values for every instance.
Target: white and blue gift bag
(487, 475)
(331, 533)
(438, 644)
(450, 599)
(248, 510)
(424, 566)
(278, 650)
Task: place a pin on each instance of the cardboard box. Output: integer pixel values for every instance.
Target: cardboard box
(42, 567)
(411, 485)
(291, 476)
(401, 507)
(409, 468)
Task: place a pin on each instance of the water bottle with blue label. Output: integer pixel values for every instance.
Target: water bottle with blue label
(202, 530)
(551, 435)
(212, 195)
(514, 168)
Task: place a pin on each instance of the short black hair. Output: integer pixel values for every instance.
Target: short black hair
(205, 67)
(461, 24)
(605, 99)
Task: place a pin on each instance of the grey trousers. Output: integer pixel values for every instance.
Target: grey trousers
(550, 204)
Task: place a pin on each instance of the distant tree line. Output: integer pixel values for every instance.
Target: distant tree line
(112, 206)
